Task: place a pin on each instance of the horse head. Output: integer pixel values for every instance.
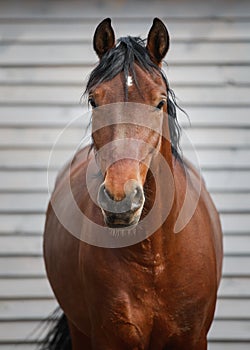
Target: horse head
(128, 93)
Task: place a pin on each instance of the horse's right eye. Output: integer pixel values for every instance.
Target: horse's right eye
(92, 102)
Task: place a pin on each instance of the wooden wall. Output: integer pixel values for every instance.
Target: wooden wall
(45, 56)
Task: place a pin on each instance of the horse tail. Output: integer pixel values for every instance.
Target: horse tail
(58, 336)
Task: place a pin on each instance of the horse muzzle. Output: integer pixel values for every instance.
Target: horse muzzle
(125, 212)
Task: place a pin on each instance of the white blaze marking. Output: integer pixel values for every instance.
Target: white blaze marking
(130, 81)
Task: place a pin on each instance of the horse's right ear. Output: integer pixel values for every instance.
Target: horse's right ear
(104, 37)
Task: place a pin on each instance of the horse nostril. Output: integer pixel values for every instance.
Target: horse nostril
(107, 194)
(103, 196)
(137, 198)
(133, 200)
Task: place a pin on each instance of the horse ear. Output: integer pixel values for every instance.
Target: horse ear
(158, 41)
(104, 37)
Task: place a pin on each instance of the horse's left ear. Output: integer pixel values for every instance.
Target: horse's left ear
(104, 37)
(158, 41)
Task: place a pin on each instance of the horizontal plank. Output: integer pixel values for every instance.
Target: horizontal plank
(234, 288)
(227, 95)
(26, 309)
(20, 347)
(230, 330)
(33, 158)
(41, 94)
(46, 54)
(228, 346)
(24, 202)
(75, 54)
(237, 266)
(207, 75)
(26, 180)
(42, 116)
(215, 116)
(177, 75)
(22, 332)
(238, 223)
(21, 245)
(227, 180)
(70, 136)
(233, 309)
(79, 31)
(234, 158)
(45, 75)
(209, 137)
(232, 202)
(25, 288)
(19, 223)
(22, 267)
(128, 9)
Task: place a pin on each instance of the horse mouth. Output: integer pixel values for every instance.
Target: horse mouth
(124, 220)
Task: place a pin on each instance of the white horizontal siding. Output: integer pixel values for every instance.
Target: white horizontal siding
(46, 56)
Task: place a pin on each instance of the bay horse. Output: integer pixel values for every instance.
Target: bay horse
(139, 271)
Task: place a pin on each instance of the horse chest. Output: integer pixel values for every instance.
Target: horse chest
(144, 319)
(140, 313)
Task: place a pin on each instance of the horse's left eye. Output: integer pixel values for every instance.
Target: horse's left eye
(161, 104)
(92, 102)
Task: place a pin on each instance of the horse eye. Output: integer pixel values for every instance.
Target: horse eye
(92, 102)
(161, 104)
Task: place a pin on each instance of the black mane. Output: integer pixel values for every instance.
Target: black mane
(121, 58)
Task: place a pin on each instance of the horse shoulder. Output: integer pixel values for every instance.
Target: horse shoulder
(207, 215)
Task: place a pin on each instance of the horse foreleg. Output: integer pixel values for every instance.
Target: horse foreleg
(79, 340)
